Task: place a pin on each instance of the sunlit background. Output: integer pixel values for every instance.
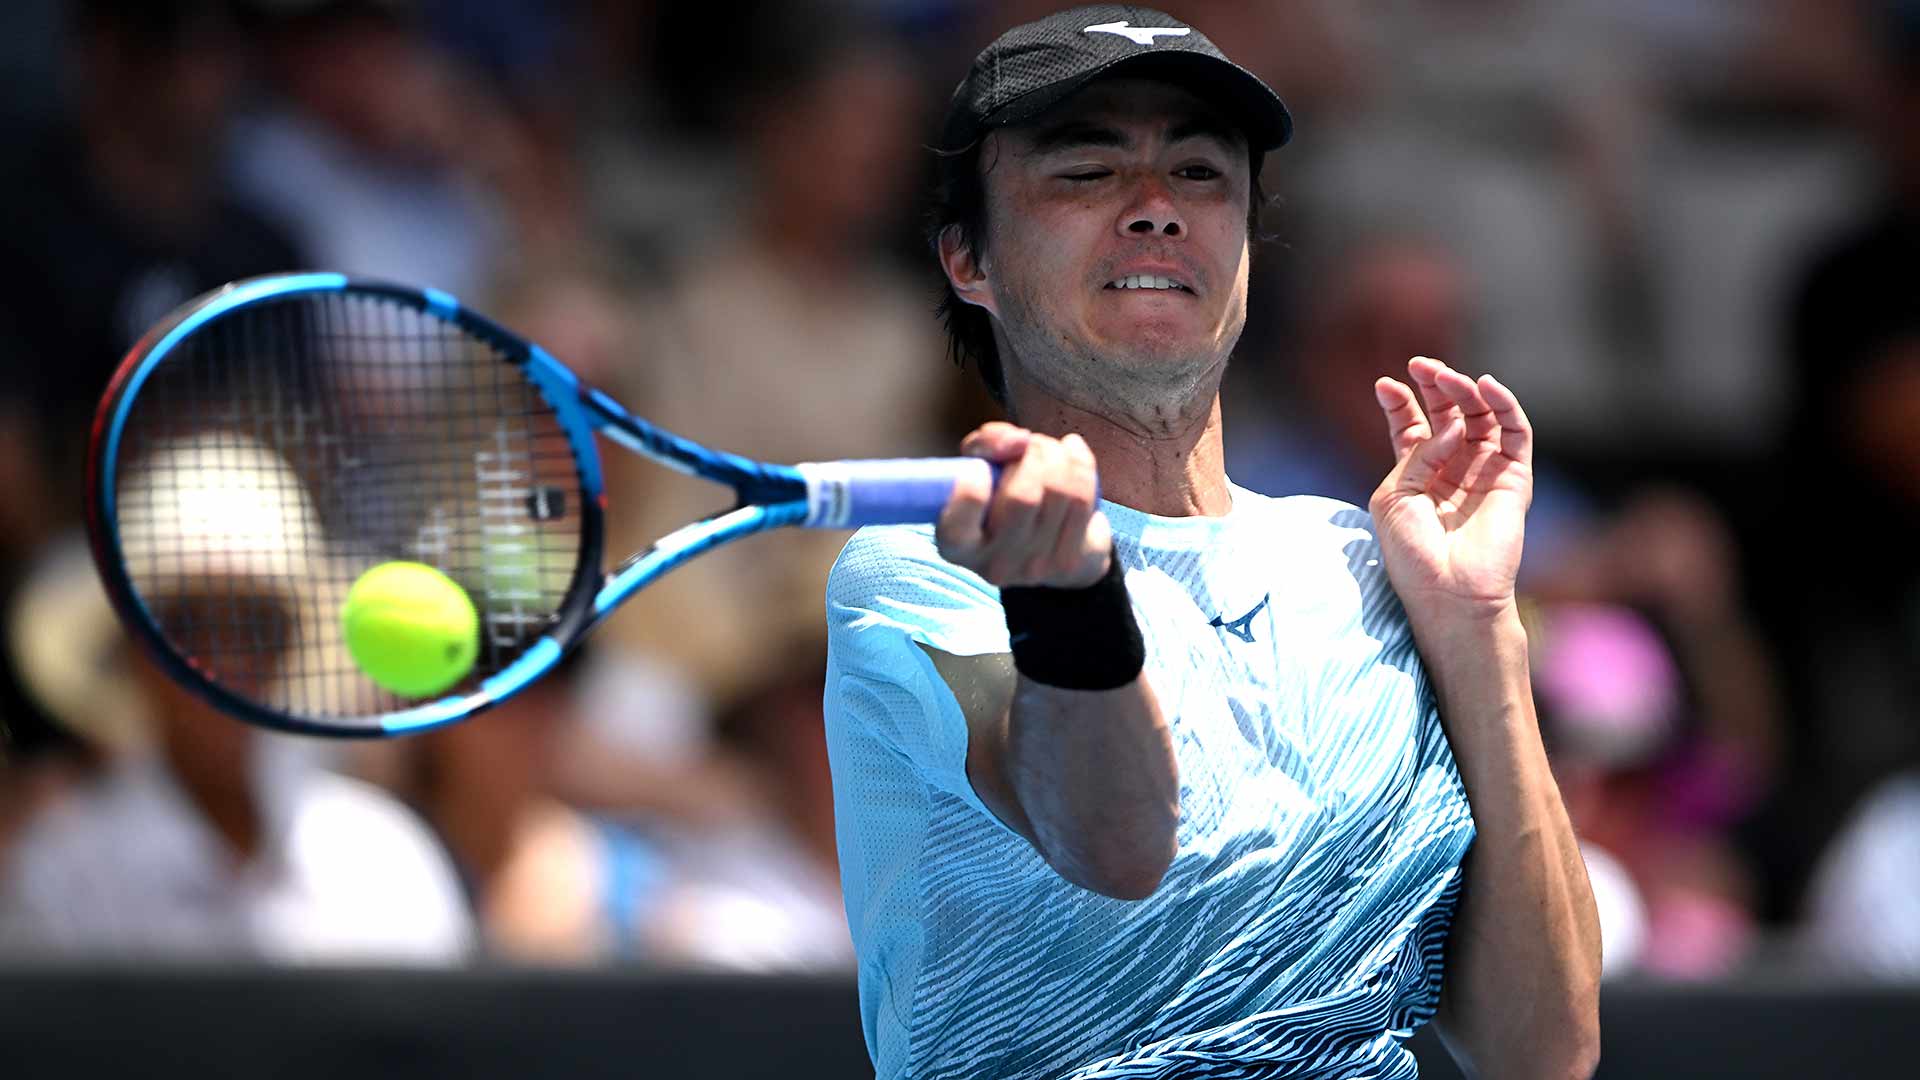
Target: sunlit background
(1686, 232)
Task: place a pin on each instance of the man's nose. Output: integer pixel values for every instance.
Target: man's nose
(1152, 211)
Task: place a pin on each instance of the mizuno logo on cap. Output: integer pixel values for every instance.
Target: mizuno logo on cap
(1139, 35)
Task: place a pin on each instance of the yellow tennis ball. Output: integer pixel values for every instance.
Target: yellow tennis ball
(411, 628)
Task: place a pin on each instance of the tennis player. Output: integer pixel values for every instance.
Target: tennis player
(1154, 776)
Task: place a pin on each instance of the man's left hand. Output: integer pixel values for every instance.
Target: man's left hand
(1452, 513)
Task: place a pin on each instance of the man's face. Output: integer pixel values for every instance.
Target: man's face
(1092, 211)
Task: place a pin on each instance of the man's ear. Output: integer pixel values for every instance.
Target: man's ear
(965, 273)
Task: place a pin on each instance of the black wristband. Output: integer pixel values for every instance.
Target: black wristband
(1076, 639)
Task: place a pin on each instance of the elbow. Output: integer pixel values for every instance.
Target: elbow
(1125, 883)
(1131, 870)
(1582, 1047)
(1584, 1051)
(1578, 1062)
(1568, 1049)
(1136, 882)
(1575, 1055)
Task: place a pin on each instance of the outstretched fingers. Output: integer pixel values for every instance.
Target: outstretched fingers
(1466, 397)
(1407, 425)
(1425, 372)
(1516, 431)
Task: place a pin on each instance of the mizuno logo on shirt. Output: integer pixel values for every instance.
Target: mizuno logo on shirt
(1139, 35)
(1242, 627)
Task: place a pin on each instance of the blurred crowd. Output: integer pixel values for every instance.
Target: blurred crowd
(1684, 231)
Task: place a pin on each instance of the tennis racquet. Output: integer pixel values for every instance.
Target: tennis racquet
(270, 441)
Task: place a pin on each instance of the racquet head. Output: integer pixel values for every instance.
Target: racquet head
(273, 440)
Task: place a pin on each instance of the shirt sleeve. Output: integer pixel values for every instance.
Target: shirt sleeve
(890, 593)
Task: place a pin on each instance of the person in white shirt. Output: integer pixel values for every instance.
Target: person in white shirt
(203, 837)
(259, 857)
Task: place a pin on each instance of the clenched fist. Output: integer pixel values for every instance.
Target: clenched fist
(1040, 525)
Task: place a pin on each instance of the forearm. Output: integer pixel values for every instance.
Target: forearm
(1092, 773)
(1522, 987)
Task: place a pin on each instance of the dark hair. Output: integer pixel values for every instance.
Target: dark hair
(958, 201)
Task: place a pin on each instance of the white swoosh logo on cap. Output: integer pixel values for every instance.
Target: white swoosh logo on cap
(1139, 35)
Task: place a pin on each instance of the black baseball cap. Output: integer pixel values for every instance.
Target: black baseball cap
(1035, 66)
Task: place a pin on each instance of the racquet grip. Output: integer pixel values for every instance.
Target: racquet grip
(849, 494)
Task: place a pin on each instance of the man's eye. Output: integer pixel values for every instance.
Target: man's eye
(1086, 175)
(1199, 172)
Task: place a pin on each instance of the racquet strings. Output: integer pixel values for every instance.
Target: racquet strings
(287, 447)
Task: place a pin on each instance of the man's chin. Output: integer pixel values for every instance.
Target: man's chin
(1157, 346)
(1164, 324)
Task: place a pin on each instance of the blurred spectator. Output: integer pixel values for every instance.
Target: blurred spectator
(660, 172)
(643, 744)
(205, 837)
(1844, 593)
(1316, 427)
(1664, 715)
(780, 730)
(545, 882)
(1862, 912)
(1666, 553)
(113, 217)
(1623, 181)
(32, 782)
(372, 145)
(792, 339)
(1613, 706)
(554, 884)
(1308, 423)
(1487, 126)
(30, 41)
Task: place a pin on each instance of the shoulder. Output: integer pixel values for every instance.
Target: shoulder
(900, 561)
(873, 544)
(890, 584)
(1313, 524)
(1329, 555)
(1298, 510)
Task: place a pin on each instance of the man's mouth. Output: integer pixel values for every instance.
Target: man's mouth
(1150, 281)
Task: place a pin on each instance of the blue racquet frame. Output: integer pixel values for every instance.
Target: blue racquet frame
(835, 495)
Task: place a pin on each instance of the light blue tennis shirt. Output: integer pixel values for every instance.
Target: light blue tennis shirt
(1300, 930)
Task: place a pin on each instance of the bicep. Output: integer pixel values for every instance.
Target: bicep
(983, 686)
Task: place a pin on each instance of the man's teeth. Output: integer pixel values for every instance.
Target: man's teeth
(1145, 281)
